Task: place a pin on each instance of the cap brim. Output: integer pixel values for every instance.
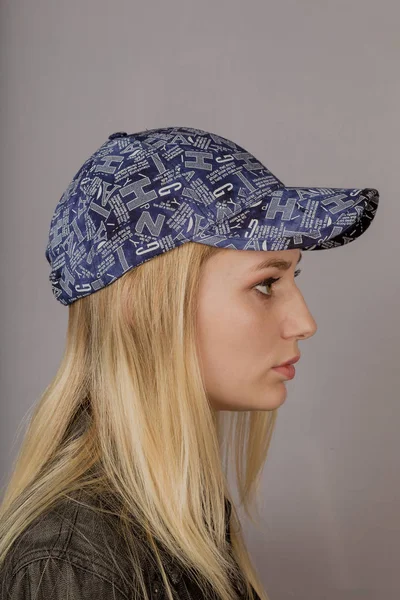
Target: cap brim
(297, 217)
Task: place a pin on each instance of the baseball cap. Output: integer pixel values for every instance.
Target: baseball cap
(142, 194)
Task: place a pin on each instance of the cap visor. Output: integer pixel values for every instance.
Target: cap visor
(298, 217)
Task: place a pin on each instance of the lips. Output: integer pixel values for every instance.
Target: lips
(292, 361)
(288, 371)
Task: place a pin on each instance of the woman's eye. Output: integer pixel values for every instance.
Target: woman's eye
(270, 282)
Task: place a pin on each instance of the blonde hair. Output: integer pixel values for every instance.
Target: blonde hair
(148, 437)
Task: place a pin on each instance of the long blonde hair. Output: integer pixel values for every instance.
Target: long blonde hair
(150, 438)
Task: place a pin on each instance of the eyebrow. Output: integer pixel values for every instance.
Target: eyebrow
(281, 264)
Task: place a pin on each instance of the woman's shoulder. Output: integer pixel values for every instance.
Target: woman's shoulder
(73, 542)
(57, 578)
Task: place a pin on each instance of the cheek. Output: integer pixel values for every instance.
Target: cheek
(234, 339)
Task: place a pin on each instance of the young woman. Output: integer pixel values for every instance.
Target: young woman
(176, 252)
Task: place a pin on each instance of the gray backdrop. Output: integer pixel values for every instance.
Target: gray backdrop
(312, 88)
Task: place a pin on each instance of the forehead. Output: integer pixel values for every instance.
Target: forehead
(252, 261)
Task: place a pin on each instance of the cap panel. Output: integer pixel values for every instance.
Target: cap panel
(215, 170)
(143, 194)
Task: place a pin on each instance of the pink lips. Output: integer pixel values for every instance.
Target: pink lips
(291, 361)
(288, 371)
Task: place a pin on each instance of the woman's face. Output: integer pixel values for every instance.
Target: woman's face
(246, 327)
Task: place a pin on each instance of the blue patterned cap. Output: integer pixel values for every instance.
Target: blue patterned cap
(142, 194)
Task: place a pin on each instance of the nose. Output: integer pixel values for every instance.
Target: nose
(310, 332)
(305, 324)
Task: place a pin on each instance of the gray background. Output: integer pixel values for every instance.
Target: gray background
(312, 88)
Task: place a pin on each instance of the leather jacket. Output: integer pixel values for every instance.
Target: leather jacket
(50, 560)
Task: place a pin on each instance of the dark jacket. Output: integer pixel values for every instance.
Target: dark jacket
(53, 561)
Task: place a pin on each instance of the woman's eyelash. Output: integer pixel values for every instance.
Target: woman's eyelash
(270, 282)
